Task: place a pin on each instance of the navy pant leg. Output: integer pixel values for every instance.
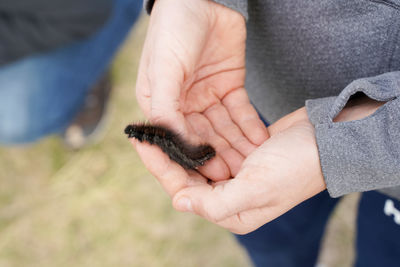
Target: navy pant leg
(294, 238)
(378, 231)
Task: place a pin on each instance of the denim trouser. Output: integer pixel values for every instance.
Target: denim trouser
(41, 94)
(293, 239)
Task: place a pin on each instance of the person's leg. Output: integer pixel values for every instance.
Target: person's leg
(378, 231)
(294, 238)
(41, 94)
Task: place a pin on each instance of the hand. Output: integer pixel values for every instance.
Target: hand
(277, 176)
(191, 78)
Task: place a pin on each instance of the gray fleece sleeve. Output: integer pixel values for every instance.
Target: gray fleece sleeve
(238, 5)
(364, 154)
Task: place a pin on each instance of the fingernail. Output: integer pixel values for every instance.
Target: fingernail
(184, 204)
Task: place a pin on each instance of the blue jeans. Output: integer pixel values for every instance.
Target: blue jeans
(294, 238)
(41, 94)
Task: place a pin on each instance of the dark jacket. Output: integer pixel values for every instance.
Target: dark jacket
(30, 26)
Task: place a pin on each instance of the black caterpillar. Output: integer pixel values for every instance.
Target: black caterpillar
(187, 155)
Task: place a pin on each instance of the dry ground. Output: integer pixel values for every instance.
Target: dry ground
(100, 207)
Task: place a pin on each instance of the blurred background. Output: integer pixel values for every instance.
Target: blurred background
(98, 206)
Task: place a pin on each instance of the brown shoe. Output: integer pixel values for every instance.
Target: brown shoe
(90, 122)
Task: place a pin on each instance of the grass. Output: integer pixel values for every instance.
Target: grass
(100, 207)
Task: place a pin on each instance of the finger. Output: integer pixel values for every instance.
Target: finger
(247, 221)
(228, 161)
(225, 127)
(217, 203)
(171, 176)
(287, 121)
(245, 116)
(282, 124)
(244, 222)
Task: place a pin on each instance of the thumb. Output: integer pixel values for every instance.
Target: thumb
(218, 202)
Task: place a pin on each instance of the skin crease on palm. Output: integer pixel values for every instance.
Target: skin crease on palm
(191, 78)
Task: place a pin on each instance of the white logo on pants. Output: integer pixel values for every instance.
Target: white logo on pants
(390, 209)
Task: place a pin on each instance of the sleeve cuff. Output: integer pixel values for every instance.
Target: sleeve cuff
(364, 154)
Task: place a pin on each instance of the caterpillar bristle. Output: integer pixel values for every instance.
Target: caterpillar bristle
(187, 155)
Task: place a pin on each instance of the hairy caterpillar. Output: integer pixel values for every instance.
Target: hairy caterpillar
(187, 155)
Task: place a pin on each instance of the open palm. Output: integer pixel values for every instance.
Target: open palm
(191, 78)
